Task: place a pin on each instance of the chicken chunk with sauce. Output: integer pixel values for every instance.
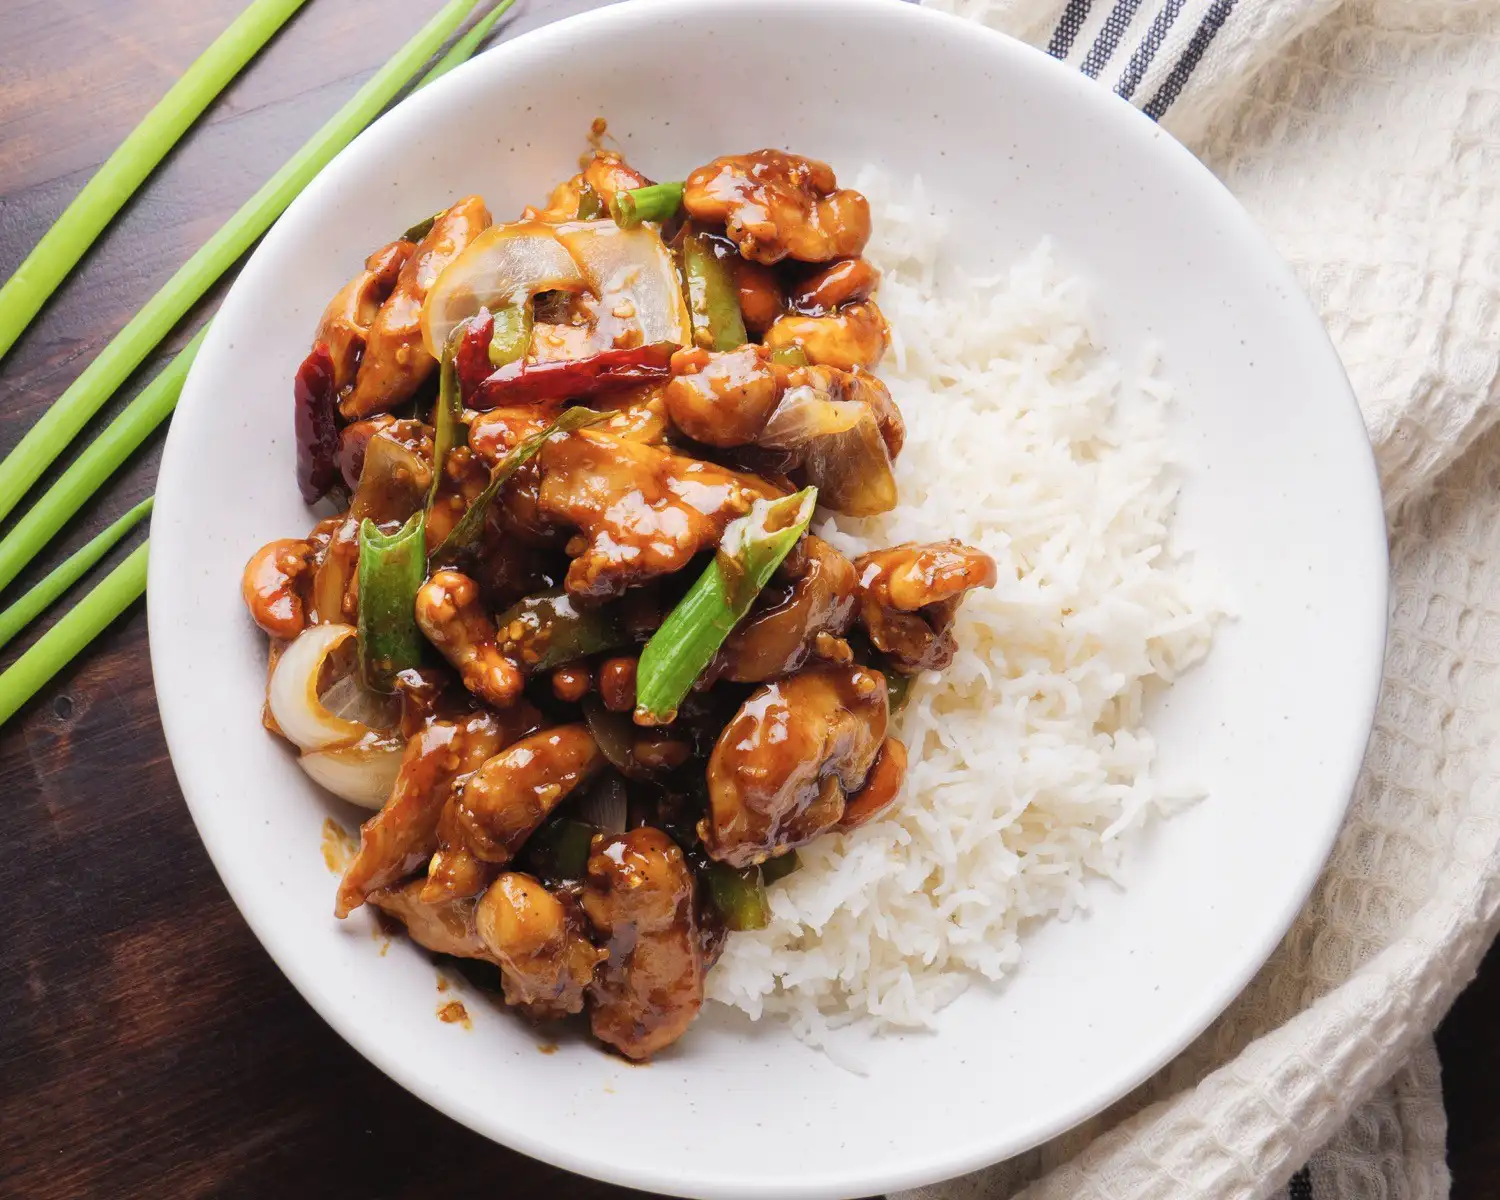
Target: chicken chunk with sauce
(399, 839)
(395, 362)
(784, 767)
(909, 596)
(639, 898)
(539, 939)
(794, 620)
(640, 511)
(449, 612)
(775, 205)
(345, 327)
(488, 820)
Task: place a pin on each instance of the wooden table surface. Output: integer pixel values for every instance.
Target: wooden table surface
(148, 1046)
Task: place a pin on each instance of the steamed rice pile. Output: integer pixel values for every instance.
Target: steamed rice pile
(1029, 762)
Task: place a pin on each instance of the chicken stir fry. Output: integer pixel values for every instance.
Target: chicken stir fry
(568, 634)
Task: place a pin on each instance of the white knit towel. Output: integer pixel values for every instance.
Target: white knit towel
(1364, 137)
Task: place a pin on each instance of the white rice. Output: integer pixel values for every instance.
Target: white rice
(1029, 762)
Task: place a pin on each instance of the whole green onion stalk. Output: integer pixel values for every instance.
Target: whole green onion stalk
(391, 570)
(102, 457)
(87, 394)
(33, 603)
(751, 550)
(79, 626)
(136, 157)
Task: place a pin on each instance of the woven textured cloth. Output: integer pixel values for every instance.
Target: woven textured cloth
(1364, 137)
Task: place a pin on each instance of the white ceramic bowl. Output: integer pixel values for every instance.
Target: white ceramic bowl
(1280, 494)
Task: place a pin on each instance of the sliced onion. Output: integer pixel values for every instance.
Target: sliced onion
(852, 470)
(303, 713)
(362, 774)
(806, 414)
(615, 736)
(504, 265)
(632, 273)
(605, 804)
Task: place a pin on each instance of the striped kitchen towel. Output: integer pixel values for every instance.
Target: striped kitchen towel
(1364, 137)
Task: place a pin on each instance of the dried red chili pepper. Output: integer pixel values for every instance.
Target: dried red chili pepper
(575, 379)
(315, 422)
(472, 360)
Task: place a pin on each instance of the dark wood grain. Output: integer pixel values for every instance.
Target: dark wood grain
(148, 1046)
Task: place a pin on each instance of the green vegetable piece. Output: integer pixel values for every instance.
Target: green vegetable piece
(789, 356)
(97, 462)
(560, 849)
(68, 415)
(752, 548)
(590, 206)
(512, 336)
(463, 49)
(391, 570)
(554, 630)
(740, 896)
(135, 158)
(713, 296)
(897, 686)
(780, 867)
(33, 603)
(465, 534)
(448, 428)
(655, 202)
(74, 630)
(422, 228)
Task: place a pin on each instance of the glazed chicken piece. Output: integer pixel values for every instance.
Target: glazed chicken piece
(399, 839)
(448, 927)
(605, 173)
(729, 398)
(638, 416)
(450, 614)
(515, 510)
(539, 939)
(335, 586)
(465, 476)
(641, 511)
(512, 793)
(805, 612)
(346, 322)
(829, 288)
(275, 586)
(759, 294)
(488, 820)
(395, 361)
(724, 398)
(853, 336)
(784, 768)
(909, 596)
(775, 205)
(494, 434)
(882, 785)
(608, 173)
(639, 896)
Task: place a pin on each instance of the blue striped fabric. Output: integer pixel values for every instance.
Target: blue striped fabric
(1145, 54)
